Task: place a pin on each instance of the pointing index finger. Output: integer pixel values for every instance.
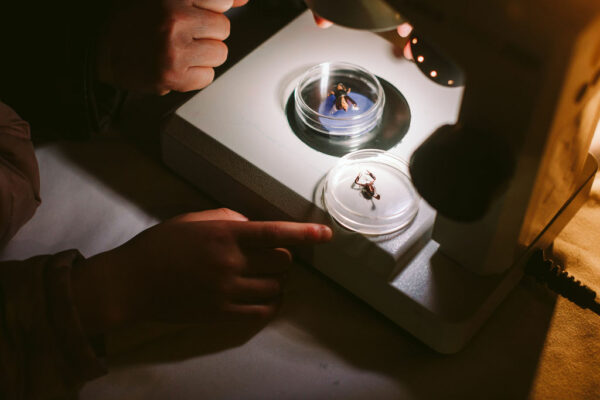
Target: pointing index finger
(281, 234)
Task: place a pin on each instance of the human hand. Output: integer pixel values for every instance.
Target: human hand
(156, 46)
(200, 267)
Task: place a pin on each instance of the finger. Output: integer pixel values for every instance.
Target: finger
(193, 79)
(206, 53)
(205, 24)
(407, 51)
(266, 262)
(281, 234)
(219, 214)
(253, 312)
(219, 6)
(322, 22)
(404, 29)
(257, 290)
(239, 3)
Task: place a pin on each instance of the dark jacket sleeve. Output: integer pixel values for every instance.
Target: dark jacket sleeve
(19, 177)
(43, 350)
(44, 353)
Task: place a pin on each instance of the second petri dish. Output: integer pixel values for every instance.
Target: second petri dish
(369, 191)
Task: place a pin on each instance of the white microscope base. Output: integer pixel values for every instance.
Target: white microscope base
(233, 140)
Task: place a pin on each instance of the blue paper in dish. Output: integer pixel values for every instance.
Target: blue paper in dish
(326, 108)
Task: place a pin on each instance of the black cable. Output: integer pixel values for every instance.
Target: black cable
(558, 280)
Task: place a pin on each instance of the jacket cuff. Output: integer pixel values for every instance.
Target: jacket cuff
(81, 358)
(44, 352)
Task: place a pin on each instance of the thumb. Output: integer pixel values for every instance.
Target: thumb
(322, 22)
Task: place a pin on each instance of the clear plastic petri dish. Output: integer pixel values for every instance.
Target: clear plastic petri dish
(369, 191)
(339, 99)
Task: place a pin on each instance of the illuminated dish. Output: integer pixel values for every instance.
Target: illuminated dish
(339, 99)
(369, 191)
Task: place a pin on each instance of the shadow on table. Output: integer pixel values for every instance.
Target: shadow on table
(148, 343)
(499, 363)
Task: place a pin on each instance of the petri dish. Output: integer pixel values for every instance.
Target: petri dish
(339, 99)
(369, 191)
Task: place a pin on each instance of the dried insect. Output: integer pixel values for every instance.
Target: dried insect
(367, 189)
(342, 99)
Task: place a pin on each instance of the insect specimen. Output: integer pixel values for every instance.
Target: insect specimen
(342, 98)
(367, 188)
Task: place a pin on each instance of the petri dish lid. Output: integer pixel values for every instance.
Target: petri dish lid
(369, 191)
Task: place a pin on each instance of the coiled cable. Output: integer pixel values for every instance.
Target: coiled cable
(559, 281)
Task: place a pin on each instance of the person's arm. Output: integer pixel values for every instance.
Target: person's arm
(43, 349)
(19, 177)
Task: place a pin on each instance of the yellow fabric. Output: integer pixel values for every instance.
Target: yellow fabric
(569, 365)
